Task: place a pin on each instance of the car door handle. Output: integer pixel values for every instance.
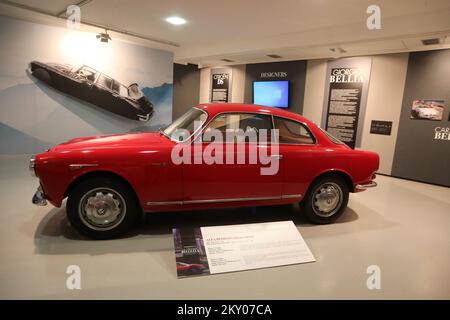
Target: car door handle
(277, 156)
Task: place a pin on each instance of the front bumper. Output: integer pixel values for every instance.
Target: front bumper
(32, 166)
(39, 198)
(362, 187)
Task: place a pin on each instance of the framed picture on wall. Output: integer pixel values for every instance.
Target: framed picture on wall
(427, 109)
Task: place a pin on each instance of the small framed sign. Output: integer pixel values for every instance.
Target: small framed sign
(221, 85)
(381, 127)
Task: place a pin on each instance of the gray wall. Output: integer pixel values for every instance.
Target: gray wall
(418, 156)
(186, 88)
(296, 74)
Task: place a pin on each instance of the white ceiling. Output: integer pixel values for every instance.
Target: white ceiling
(247, 30)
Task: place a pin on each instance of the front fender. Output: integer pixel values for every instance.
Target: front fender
(57, 174)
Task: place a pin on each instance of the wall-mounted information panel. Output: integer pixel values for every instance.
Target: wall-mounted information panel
(345, 98)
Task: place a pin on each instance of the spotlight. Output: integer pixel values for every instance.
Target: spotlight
(104, 37)
(176, 20)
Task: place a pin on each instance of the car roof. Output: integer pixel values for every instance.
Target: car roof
(215, 108)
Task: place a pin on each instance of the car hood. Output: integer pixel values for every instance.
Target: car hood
(112, 141)
(67, 68)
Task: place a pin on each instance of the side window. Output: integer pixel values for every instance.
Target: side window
(332, 138)
(105, 81)
(123, 91)
(292, 132)
(87, 74)
(116, 86)
(253, 125)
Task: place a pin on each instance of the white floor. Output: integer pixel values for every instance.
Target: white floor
(401, 226)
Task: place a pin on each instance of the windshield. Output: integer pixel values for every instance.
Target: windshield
(185, 126)
(332, 138)
(86, 73)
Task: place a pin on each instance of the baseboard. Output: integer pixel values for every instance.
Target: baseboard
(414, 180)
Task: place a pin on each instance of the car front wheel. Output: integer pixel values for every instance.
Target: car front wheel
(326, 200)
(102, 208)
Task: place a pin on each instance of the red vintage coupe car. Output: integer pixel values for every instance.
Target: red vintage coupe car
(111, 180)
(190, 268)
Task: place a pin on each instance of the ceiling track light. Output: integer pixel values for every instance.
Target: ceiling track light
(104, 37)
(337, 52)
(432, 41)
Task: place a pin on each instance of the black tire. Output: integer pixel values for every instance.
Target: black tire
(100, 191)
(327, 186)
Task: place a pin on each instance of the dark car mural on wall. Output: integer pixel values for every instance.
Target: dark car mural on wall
(90, 85)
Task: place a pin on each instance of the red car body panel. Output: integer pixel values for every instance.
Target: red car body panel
(187, 266)
(144, 161)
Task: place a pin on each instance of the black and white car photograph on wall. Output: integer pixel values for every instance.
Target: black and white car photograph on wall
(92, 86)
(427, 109)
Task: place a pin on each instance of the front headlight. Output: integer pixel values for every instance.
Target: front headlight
(32, 166)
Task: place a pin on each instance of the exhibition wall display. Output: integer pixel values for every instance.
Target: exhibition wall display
(345, 98)
(403, 110)
(385, 94)
(60, 83)
(423, 141)
(221, 83)
(292, 71)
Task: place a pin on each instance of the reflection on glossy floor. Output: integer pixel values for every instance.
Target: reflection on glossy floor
(401, 226)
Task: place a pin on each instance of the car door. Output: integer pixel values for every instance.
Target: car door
(215, 180)
(301, 156)
(85, 79)
(103, 94)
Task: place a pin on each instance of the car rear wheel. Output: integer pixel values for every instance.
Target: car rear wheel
(102, 208)
(325, 200)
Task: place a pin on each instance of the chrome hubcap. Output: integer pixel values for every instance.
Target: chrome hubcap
(327, 199)
(102, 209)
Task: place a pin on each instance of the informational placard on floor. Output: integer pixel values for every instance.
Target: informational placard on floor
(219, 249)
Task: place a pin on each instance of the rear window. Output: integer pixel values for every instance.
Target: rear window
(332, 138)
(292, 132)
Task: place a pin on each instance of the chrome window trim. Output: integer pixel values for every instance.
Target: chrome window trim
(199, 128)
(307, 129)
(206, 124)
(327, 134)
(163, 203)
